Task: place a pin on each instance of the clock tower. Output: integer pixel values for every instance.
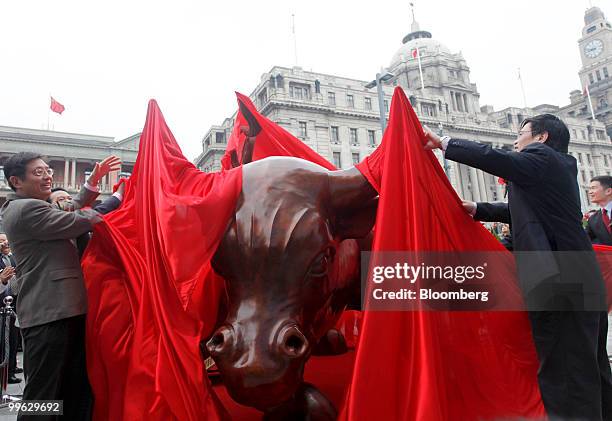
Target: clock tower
(596, 72)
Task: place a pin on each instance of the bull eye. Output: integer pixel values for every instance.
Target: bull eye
(320, 265)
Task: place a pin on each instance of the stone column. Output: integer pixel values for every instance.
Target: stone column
(73, 174)
(475, 185)
(66, 173)
(484, 197)
(454, 100)
(465, 102)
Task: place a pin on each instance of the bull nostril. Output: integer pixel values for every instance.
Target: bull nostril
(219, 342)
(293, 343)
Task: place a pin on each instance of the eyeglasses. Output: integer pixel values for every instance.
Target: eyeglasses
(40, 171)
(520, 132)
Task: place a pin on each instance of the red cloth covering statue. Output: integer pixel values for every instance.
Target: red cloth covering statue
(428, 366)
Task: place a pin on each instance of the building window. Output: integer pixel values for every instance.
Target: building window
(605, 157)
(579, 157)
(368, 103)
(331, 98)
(219, 137)
(372, 137)
(317, 87)
(350, 101)
(583, 134)
(355, 156)
(583, 174)
(598, 75)
(591, 29)
(591, 80)
(575, 134)
(303, 130)
(386, 105)
(263, 97)
(335, 137)
(589, 159)
(509, 118)
(337, 160)
(354, 139)
(299, 91)
(428, 110)
(601, 136)
(605, 72)
(603, 103)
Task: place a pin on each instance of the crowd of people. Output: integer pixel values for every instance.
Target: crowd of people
(46, 230)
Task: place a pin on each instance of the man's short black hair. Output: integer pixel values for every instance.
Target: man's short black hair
(54, 189)
(604, 180)
(16, 165)
(558, 133)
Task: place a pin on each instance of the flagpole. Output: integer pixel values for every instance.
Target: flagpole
(294, 38)
(590, 103)
(420, 68)
(48, 111)
(522, 88)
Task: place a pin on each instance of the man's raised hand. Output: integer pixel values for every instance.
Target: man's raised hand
(108, 164)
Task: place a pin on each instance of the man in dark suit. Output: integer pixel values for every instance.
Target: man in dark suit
(598, 226)
(52, 300)
(557, 269)
(8, 284)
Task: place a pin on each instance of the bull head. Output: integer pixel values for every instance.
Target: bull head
(290, 261)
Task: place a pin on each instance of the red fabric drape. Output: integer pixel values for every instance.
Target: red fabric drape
(146, 264)
(604, 257)
(273, 140)
(431, 366)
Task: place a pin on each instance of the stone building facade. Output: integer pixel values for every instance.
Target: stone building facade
(72, 156)
(339, 117)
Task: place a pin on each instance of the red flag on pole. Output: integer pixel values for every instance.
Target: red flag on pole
(56, 107)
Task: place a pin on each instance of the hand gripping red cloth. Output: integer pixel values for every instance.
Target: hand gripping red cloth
(152, 293)
(426, 365)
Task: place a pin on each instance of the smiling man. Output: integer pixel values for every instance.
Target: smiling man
(598, 226)
(52, 300)
(557, 270)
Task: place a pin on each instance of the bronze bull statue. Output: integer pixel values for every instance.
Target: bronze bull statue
(291, 262)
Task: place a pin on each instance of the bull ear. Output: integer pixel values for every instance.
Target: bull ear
(354, 203)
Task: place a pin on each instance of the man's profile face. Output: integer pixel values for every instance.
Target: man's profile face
(505, 229)
(36, 183)
(60, 196)
(599, 194)
(526, 137)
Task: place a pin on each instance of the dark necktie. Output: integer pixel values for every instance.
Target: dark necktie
(606, 218)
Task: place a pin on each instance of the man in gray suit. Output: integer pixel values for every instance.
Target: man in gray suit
(52, 300)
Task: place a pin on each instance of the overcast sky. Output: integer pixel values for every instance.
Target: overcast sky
(104, 61)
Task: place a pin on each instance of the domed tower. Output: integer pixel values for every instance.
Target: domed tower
(446, 76)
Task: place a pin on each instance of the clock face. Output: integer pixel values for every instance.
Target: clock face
(593, 48)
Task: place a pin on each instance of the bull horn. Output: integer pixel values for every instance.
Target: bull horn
(254, 127)
(354, 203)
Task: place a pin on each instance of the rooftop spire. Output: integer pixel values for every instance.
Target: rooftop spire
(415, 25)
